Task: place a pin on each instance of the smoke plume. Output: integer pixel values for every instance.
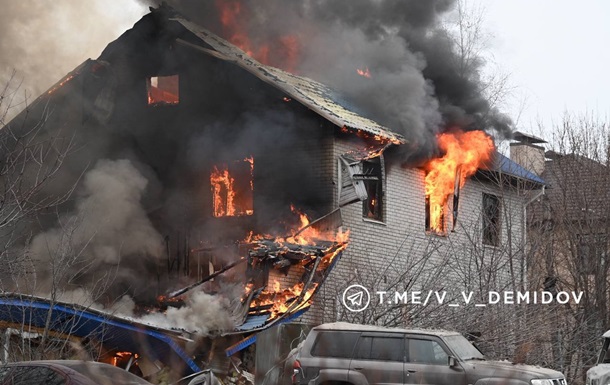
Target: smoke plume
(108, 224)
(419, 84)
(42, 41)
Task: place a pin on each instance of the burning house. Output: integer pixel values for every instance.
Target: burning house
(235, 195)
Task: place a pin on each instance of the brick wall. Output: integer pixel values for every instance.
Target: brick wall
(399, 254)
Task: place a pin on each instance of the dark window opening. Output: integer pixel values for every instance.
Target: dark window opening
(372, 207)
(491, 220)
(232, 187)
(435, 221)
(592, 249)
(163, 90)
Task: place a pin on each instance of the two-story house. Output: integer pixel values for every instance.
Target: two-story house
(220, 147)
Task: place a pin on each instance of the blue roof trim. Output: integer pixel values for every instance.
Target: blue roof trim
(509, 167)
(253, 321)
(79, 326)
(241, 345)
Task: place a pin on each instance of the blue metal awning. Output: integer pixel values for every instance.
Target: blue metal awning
(115, 333)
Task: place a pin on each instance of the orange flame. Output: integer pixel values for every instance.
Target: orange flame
(225, 200)
(61, 84)
(465, 152)
(121, 355)
(223, 192)
(364, 72)
(281, 300)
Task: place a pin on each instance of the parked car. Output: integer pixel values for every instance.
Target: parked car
(600, 373)
(66, 372)
(343, 353)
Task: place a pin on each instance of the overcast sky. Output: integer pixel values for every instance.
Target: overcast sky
(555, 51)
(557, 54)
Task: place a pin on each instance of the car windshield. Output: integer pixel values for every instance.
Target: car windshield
(463, 348)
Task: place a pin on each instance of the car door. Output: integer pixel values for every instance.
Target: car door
(427, 362)
(379, 358)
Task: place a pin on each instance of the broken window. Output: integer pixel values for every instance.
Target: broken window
(233, 188)
(491, 220)
(435, 217)
(372, 176)
(163, 90)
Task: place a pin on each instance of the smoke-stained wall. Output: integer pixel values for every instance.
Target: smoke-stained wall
(145, 169)
(418, 82)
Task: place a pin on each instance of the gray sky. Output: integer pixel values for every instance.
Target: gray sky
(557, 54)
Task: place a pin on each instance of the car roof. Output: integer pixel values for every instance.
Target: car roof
(80, 367)
(373, 328)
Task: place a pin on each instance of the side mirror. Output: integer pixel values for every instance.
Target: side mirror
(452, 362)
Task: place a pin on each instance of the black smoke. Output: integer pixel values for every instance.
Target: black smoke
(420, 84)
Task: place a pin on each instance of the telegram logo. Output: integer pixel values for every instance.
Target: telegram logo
(356, 298)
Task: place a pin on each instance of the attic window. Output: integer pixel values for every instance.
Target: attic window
(163, 90)
(372, 175)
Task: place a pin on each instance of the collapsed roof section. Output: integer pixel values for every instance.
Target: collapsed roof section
(313, 95)
(29, 313)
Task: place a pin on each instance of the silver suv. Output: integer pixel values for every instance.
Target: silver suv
(343, 354)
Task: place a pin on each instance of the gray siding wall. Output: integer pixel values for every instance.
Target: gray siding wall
(399, 254)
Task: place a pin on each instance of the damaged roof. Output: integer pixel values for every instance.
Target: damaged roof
(316, 96)
(510, 167)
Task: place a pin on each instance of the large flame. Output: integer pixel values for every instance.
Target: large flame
(463, 154)
(225, 198)
(280, 300)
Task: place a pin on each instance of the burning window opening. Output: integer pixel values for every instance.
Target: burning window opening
(462, 155)
(233, 188)
(435, 218)
(163, 90)
(372, 174)
(124, 360)
(491, 220)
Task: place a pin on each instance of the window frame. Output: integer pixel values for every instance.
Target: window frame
(438, 342)
(330, 333)
(428, 228)
(377, 336)
(491, 231)
(596, 247)
(378, 166)
(149, 87)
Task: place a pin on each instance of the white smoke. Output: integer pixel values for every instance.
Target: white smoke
(107, 224)
(43, 40)
(203, 314)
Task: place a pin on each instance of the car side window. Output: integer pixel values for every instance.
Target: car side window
(426, 352)
(335, 344)
(36, 375)
(380, 348)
